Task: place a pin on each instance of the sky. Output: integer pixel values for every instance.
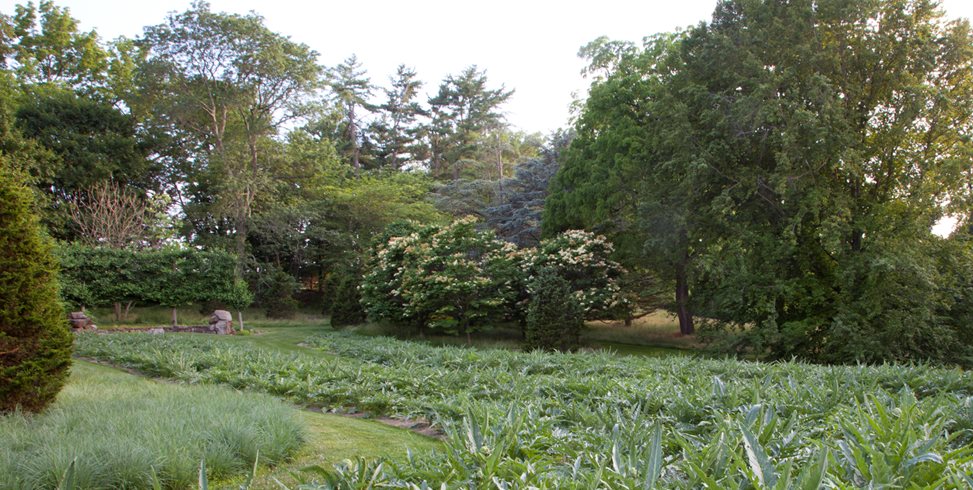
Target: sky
(530, 46)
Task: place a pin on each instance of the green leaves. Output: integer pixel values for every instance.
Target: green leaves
(170, 277)
(581, 421)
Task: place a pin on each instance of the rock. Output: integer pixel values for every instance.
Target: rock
(156, 331)
(79, 321)
(221, 322)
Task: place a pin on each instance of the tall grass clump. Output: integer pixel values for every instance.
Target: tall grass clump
(125, 432)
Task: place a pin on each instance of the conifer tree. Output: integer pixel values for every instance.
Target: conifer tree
(35, 343)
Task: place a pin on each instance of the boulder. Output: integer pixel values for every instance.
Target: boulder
(221, 322)
(156, 331)
(79, 321)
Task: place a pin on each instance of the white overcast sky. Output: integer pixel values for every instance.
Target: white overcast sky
(530, 46)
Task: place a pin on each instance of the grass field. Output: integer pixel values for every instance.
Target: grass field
(595, 420)
(124, 431)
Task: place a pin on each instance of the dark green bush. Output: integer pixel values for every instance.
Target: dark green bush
(554, 317)
(346, 308)
(35, 342)
(274, 291)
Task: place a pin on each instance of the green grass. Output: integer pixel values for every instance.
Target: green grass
(123, 429)
(653, 335)
(123, 432)
(595, 420)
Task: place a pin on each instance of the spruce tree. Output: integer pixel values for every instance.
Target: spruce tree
(35, 342)
(346, 308)
(554, 317)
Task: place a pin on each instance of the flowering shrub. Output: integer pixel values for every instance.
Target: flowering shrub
(456, 277)
(582, 259)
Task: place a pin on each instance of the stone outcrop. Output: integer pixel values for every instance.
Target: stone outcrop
(221, 322)
(80, 322)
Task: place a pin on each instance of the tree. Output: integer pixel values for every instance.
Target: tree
(221, 86)
(109, 215)
(399, 136)
(797, 181)
(352, 90)
(35, 343)
(629, 172)
(554, 318)
(462, 110)
(517, 216)
(51, 49)
(346, 308)
(458, 278)
(92, 141)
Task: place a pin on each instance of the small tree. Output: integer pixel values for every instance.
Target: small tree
(35, 343)
(382, 291)
(583, 260)
(457, 277)
(346, 308)
(554, 317)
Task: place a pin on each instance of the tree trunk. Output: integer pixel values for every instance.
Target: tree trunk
(469, 338)
(174, 317)
(239, 315)
(682, 301)
(117, 308)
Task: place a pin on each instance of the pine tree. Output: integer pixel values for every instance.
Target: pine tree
(352, 89)
(398, 133)
(35, 343)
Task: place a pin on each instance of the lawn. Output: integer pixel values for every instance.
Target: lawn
(596, 420)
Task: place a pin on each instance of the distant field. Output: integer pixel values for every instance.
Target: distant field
(596, 420)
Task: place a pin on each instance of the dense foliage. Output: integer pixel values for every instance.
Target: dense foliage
(170, 277)
(456, 277)
(346, 308)
(603, 421)
(35, 342)
(785, 163)
(554, 316)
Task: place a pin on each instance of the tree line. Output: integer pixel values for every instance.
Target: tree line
(782, 167)
(212, 131)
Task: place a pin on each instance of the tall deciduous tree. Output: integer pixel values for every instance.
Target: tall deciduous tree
(44, 45)
(221, 85)
(805, 150)
(626, 174)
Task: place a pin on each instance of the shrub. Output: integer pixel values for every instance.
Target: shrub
(346, 308)
(274, 290)
(35, 343)
(583, 260)
(554, 317)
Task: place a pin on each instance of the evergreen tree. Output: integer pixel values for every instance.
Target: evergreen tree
(35, 343)
(398, 134)
(346, 308)
(554, 318)
(352, 89)
(462, 110)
